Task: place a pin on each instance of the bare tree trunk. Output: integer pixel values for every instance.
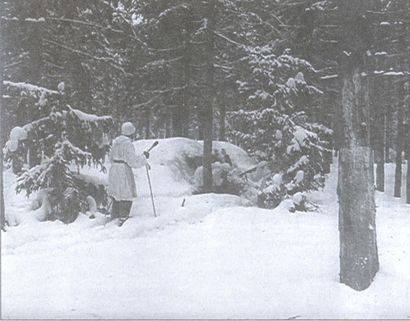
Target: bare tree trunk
(207, 119)
(35, 49)
(181, 115)
(327, 158)
(399, 150)
(2, 208)
(2, 126)
(388, 122)
(408, 159)
(147, 124)
(80, 78)
(380, 177)
(408, 142)
(379, 104)
(407, 96)
(222, 117)
(186, 75)
(176, 120)
(326, 118)
(168, 126)
(358, 248)
(408, 181)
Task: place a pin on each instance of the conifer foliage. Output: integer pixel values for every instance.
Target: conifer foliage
(275, 124)
(56, 146)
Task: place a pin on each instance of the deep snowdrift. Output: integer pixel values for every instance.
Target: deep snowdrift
(211, 258)
(172, 175)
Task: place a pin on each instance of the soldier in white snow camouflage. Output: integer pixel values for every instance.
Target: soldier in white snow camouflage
(121, 182)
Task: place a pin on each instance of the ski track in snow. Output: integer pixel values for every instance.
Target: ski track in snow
(212, 258)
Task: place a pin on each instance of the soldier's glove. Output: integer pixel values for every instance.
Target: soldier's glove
(146, 154)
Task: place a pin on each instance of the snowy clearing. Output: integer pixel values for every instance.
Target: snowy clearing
(213, 258)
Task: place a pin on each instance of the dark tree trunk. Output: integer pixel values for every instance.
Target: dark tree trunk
(176, 119)
(200, 129)
(80, 79)
(407, 91)
(337, 126)
(3, 122)
(2, 126)
(34, 47)
(222, 117)
(401, 134)
(81, 84)
(378, 107)
(207, 117)
(358, 248)
(380, 177)
(147, 124)
(186, 75)
(408, 143)
(408, 181)
(399, 151)
(168, 127)
(181, 115)
(327, 159)
(388, 123)
(408, 158)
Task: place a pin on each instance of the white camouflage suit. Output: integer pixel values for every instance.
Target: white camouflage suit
(121, 182)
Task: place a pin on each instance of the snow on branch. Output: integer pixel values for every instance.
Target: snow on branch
(45, 121)
(30, 87)
(86, 23)
(110, 60)
(141, 105)
(88, 117)
(165, 49)
(168, 11)
(41, 19)
(230, 40)
(159, 91)
(160, 62)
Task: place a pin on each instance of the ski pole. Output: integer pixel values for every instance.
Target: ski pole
(152, 146)
(147, 167)
(150, 189)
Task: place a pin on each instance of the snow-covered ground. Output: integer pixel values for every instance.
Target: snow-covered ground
(215, 257)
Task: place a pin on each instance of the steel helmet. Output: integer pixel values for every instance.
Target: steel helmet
(127, 129)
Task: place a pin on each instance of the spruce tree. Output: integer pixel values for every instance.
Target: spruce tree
(59, 144)
(276, 125)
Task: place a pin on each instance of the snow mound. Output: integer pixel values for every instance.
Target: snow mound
(169, 149)
(174, 161)
(238, 156)
(172, 169)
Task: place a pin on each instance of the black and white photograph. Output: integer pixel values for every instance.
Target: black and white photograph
(205, 159)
